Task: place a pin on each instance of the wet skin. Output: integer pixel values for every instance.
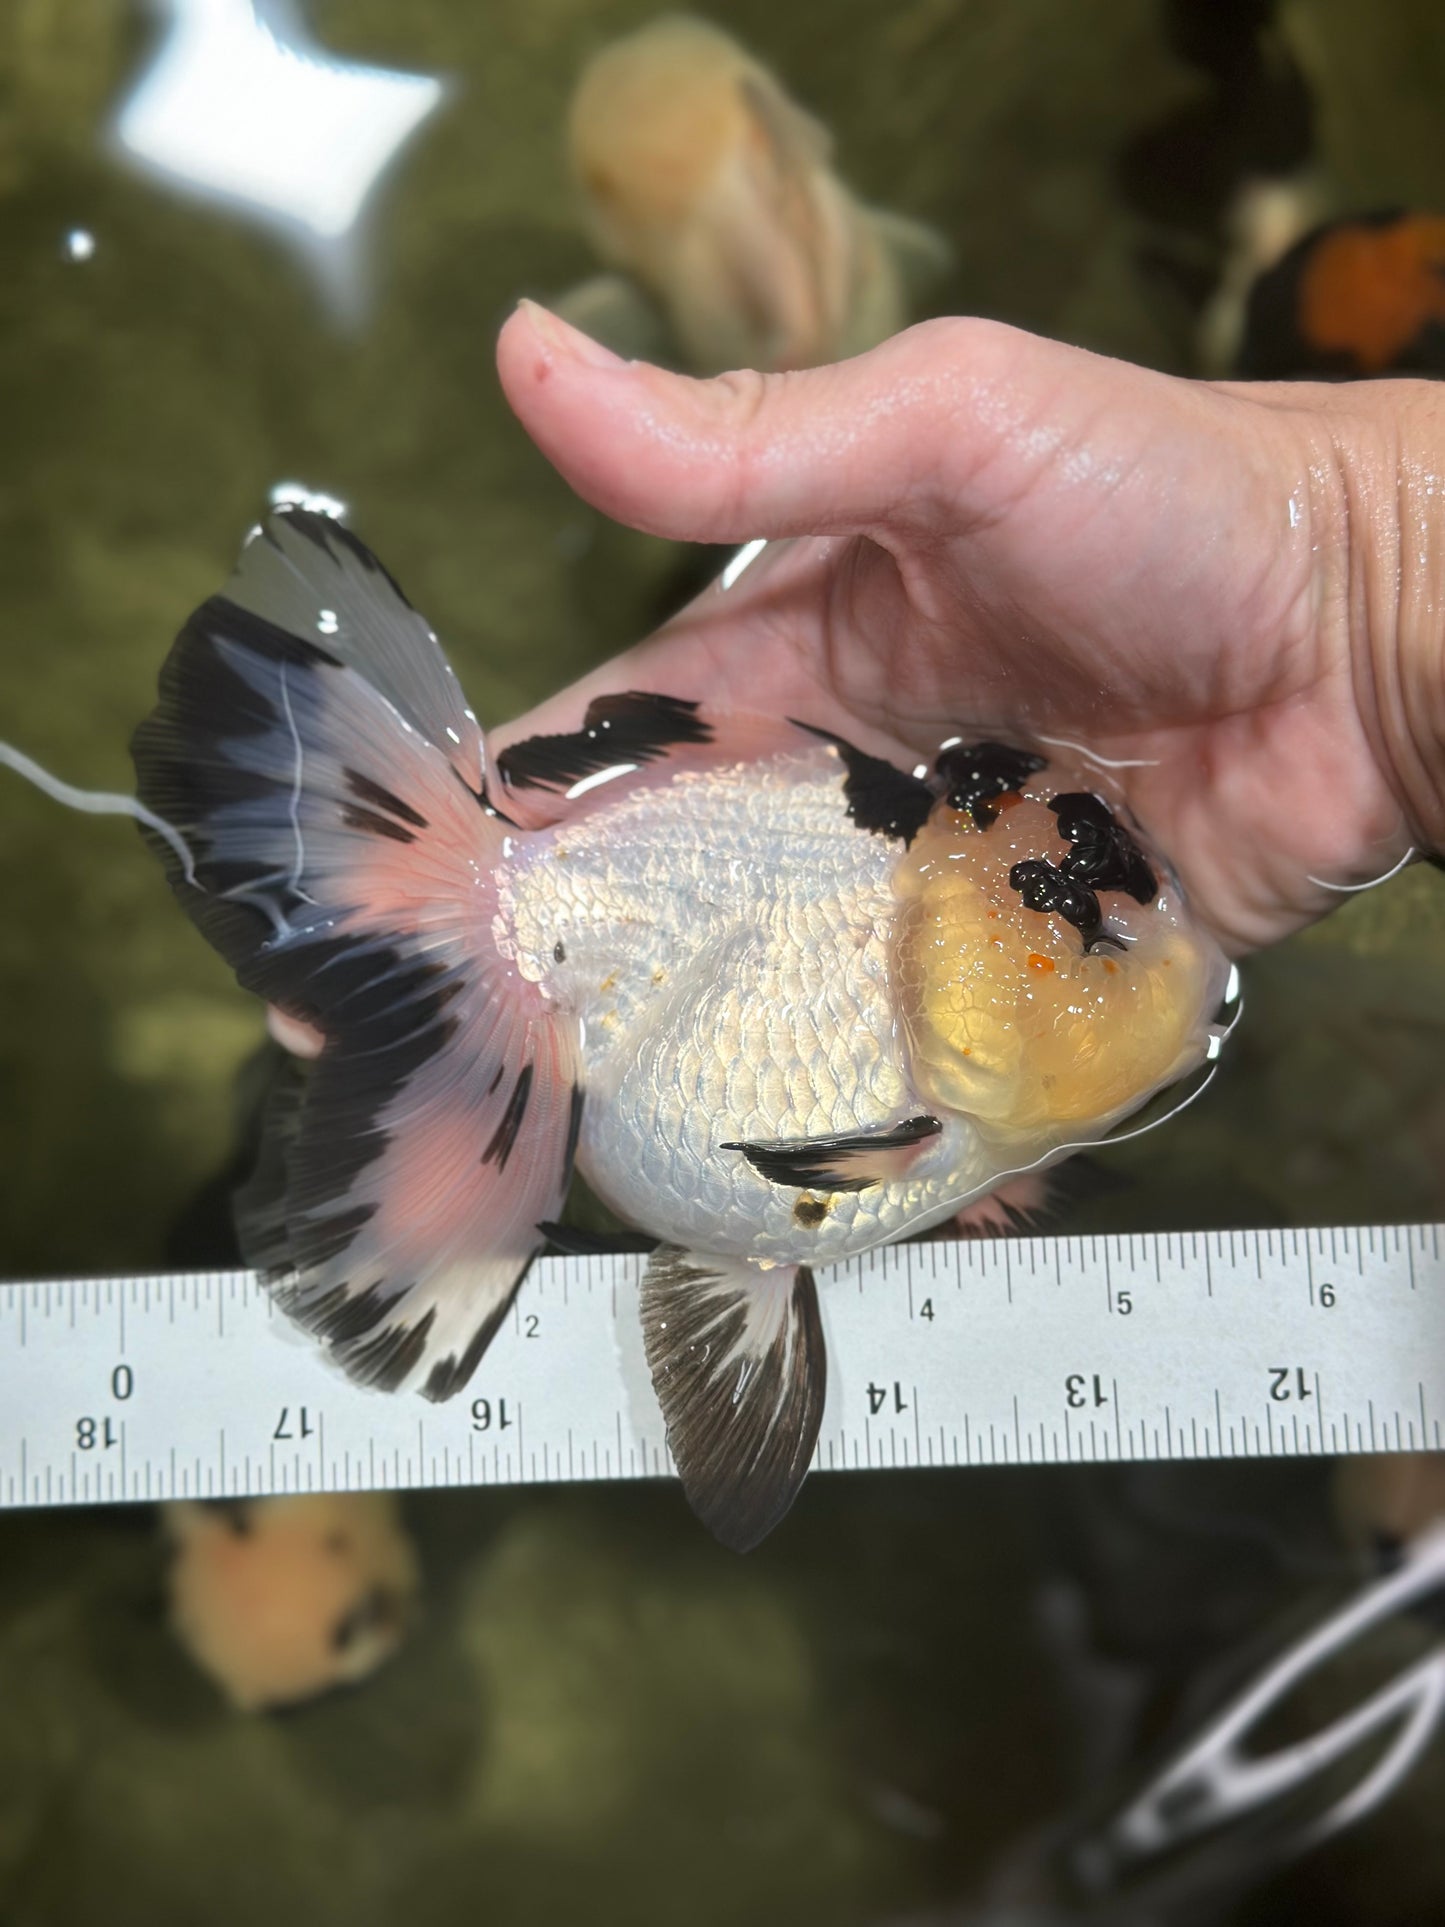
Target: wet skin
(1233, 591)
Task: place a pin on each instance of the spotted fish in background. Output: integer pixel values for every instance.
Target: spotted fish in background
(779, 1000)
(1356, 297)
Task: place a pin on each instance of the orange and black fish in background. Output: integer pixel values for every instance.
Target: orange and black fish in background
(1357, 297)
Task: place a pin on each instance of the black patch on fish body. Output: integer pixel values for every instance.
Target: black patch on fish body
(1105, 855)
(976, 773)
(827, 1163)
(1043, 886)
(882, 799)
(637, 727)
(504, 1138)
(810, 1212)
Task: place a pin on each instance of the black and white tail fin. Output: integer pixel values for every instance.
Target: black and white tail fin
(313, 750)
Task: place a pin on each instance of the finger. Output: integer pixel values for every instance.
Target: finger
(843, 449)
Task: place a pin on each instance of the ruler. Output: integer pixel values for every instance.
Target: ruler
(1019, 1351)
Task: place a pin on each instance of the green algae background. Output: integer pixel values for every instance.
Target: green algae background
(604, 1716)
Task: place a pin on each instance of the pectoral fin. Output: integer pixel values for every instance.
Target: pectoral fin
(840, 1163)
(739, 1367)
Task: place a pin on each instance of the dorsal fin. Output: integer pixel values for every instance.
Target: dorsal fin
(881, 797)
(635, 727)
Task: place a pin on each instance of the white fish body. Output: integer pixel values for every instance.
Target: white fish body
(781, 1001)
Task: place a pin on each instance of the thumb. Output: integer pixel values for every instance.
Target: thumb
(886, 438)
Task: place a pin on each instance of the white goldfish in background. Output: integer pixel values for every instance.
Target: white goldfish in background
(704, 180)
(780, 1000)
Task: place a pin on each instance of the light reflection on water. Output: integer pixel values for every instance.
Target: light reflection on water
(239, 104)
(601, 1702)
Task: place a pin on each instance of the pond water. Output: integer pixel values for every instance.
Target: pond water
(605, 1716)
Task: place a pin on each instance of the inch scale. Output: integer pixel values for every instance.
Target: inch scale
(1033, 1351)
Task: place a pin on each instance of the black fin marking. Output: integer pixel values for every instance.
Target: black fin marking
(1043, 886)
(1105, 855)
(881, 798)
(394, 1013)
(832, 1163)
(356, 818)
(740, 1369)
(388, 1210)
(379, 797)
(976, 773)
(574, 1131)
(505, 1135)
(387, 1360)
(450, 1374)
(634, 728)
(572, 1241)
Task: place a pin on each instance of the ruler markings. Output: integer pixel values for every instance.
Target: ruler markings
(1339, 1334)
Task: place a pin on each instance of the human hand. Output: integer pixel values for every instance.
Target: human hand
(1233, 593)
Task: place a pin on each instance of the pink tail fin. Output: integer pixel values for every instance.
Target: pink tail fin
(313, 749)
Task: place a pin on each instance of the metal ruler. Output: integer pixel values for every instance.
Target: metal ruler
(1033, 1351)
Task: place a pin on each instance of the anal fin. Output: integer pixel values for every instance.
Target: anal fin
(740, 1369)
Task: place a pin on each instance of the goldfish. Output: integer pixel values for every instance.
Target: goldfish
(704, 180)
(1385, 1500)
(1356, 297)
(279, 1600)
(779, 1000)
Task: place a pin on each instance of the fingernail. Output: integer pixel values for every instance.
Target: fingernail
(563, 339)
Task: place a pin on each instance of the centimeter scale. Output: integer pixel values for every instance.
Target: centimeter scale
(1014, 1351)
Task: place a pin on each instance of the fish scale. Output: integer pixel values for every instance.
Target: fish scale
(773, 1020)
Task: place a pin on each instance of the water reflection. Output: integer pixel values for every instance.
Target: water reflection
(241, 106)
